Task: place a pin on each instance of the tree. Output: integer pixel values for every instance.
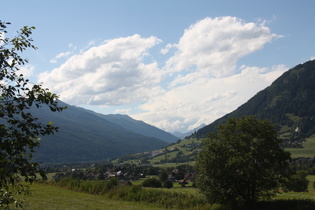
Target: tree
(241, 163)
(163, 176)
(167, 184)
(20, 131)
(298, 182)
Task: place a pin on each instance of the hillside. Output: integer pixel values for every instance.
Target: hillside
(86, 136)
(182, 152)
(138, 126)
(288, 102)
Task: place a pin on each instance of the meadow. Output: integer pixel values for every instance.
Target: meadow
(49, 197)
(308, 149)
(71, 195)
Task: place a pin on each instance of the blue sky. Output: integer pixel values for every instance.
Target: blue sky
(173, 64)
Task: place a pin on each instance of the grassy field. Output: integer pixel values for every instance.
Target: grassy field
(48, 197)
(296, 195)
(311, 178)
(308, 149)
(53, 197)
(166, 165)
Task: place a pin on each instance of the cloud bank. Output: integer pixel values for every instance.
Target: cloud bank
(111, 74)
(198, 82)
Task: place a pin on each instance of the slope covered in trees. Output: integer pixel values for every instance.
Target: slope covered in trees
(288, 102)
(87, 136)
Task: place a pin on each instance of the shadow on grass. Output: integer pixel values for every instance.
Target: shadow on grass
(296, 204)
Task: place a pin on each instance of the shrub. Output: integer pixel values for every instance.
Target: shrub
(152, 182)
(168, 184)
(298, 182)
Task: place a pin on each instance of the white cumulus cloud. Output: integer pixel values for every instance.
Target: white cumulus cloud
(110, 74)
(205, 100)
(213, 46)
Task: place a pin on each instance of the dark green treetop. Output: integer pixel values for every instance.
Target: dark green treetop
(242, 163)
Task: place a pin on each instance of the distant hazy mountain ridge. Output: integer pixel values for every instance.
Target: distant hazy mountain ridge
(87, 136)
(183, 135)
(139, 127)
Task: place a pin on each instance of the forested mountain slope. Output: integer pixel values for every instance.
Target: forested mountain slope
(288, 102)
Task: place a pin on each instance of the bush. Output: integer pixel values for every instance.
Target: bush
(152, 182)
(298, 182)
(168, 184)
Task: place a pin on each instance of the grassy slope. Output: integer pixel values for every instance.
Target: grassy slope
(47, 197)
(308, 149)
(170, 154)
(311, 178)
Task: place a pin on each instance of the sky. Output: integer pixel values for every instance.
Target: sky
(173, 64)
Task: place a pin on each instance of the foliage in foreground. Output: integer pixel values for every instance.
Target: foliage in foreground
(19, 129)
(242, 163)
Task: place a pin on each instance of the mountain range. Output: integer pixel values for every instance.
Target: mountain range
(88, 136)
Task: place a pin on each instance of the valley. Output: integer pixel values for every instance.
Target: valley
(177, 104)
